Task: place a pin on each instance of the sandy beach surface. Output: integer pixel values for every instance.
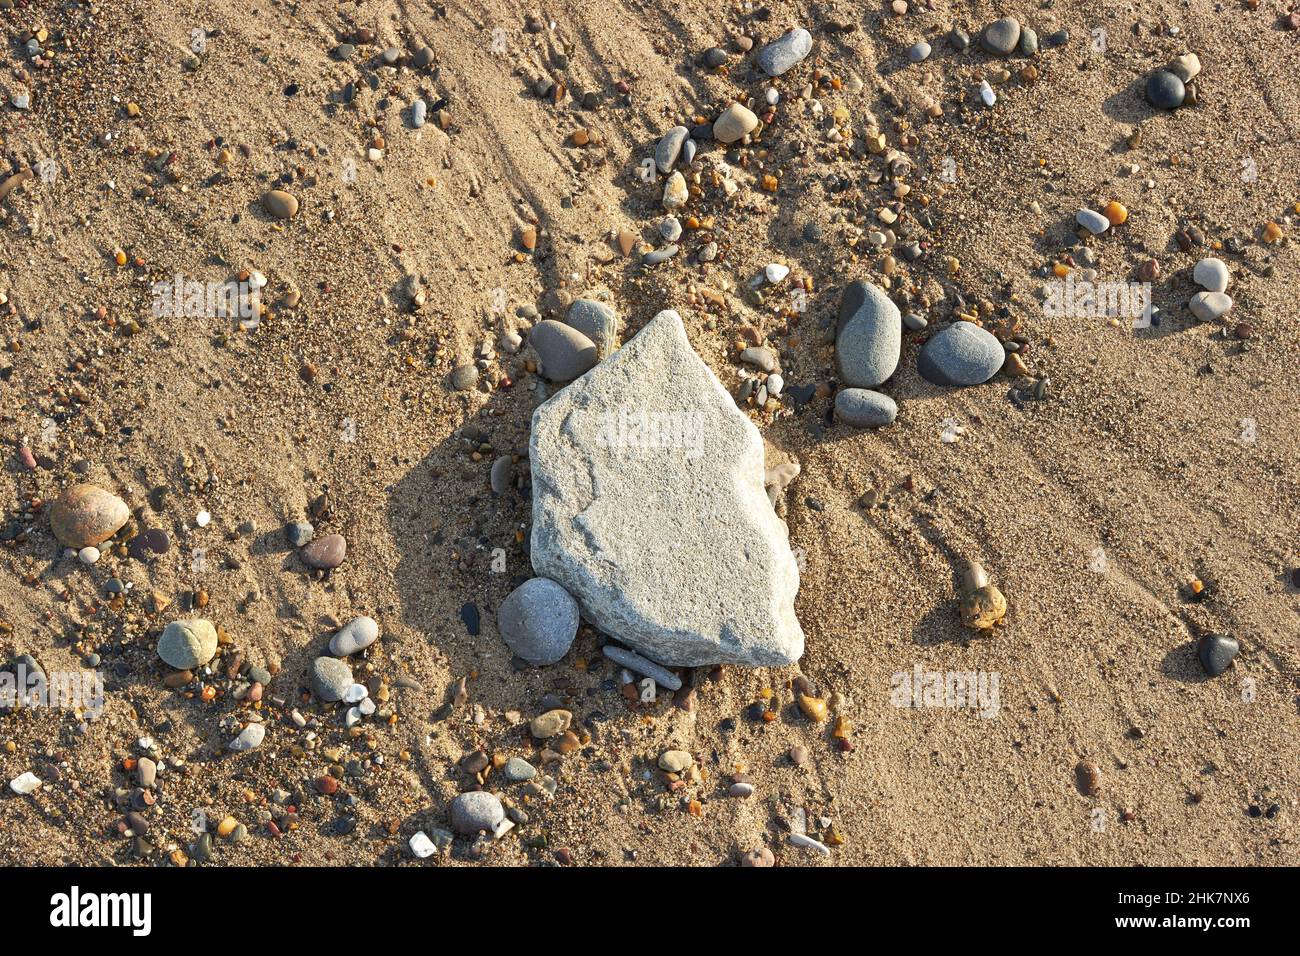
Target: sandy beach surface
(1129, 490)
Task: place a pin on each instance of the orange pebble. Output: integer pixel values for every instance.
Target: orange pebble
(1116, 213)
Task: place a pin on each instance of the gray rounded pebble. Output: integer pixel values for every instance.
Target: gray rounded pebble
(1165, 91)
(670, 148)
(354, 636)
(188, 644)
(330, 678)
(962, 354)
(919, 52)
(759, 357)
(914, 322)
(502, 475)
(464, 376)
(785, 52)
(1028, 42)
(563, 351)
(714, 57)
(298, 533)
(868, 336)
(517, 770)
(597, 321)
(476, 811)
(863, 408)
(419, 112)
(1001, 36)
(539, 620)
(958, 39)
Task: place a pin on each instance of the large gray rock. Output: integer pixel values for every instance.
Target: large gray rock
(539, 620)
(649, 508)
(962, 354)
(868, 336)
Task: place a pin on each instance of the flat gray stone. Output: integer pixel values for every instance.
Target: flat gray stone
(539, 620)
(475, 811)
(962, 354)
(354, 636)
(868, 336)
(670, 148)
(649, 508)
(563, 352)
(863, 408)
(517, 770)
(596, 321)
(785, 52)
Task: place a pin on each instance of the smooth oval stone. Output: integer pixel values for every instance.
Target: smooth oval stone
(863, 408)
(356, 635)
(736, 122)
(538, 621)
(324, 553)
(1001, 36)
(249, 738)
(597, 321)
(476, 811)
(714, 57)
(517, 770)
(419, 113)
(1208, 306)
(86, 515)
(670, 148)
(188, 644)
(502, 476)
(280, 204)
(1165, 91)
(785, 52)
(919, 52)
(564, 352)
(330, 678)
(153, 541)
(1216, 652)
(1028, 42)
(958, 39)
(961, 354)
(868, 336)
(1094, 222)
(464, 376)
(1211, 275)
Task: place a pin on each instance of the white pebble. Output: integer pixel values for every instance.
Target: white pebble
(202, 519)
(355, 693)
(774, 384)
(422, 846)
(775, 272)
(88, 555)
(25, 783)
(987, 94)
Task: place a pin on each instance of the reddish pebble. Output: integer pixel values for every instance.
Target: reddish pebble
(325, 553)
(27, 458)
(327, 785)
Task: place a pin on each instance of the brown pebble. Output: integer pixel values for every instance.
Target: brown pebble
(798, 755)
(1244, 331)
(1088, 778)
(324, 553)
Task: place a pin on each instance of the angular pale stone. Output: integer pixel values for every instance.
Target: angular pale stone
(1208, 306)
(649, 508)
(1211, 274)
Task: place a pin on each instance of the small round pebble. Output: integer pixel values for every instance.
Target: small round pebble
(1165, 91)
(324, 553)
(354, 636)
(538, 621)
(864, 408)
(961, 354)
(919, 52)
(250, 738)
(188, 644)
(1216, 652)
